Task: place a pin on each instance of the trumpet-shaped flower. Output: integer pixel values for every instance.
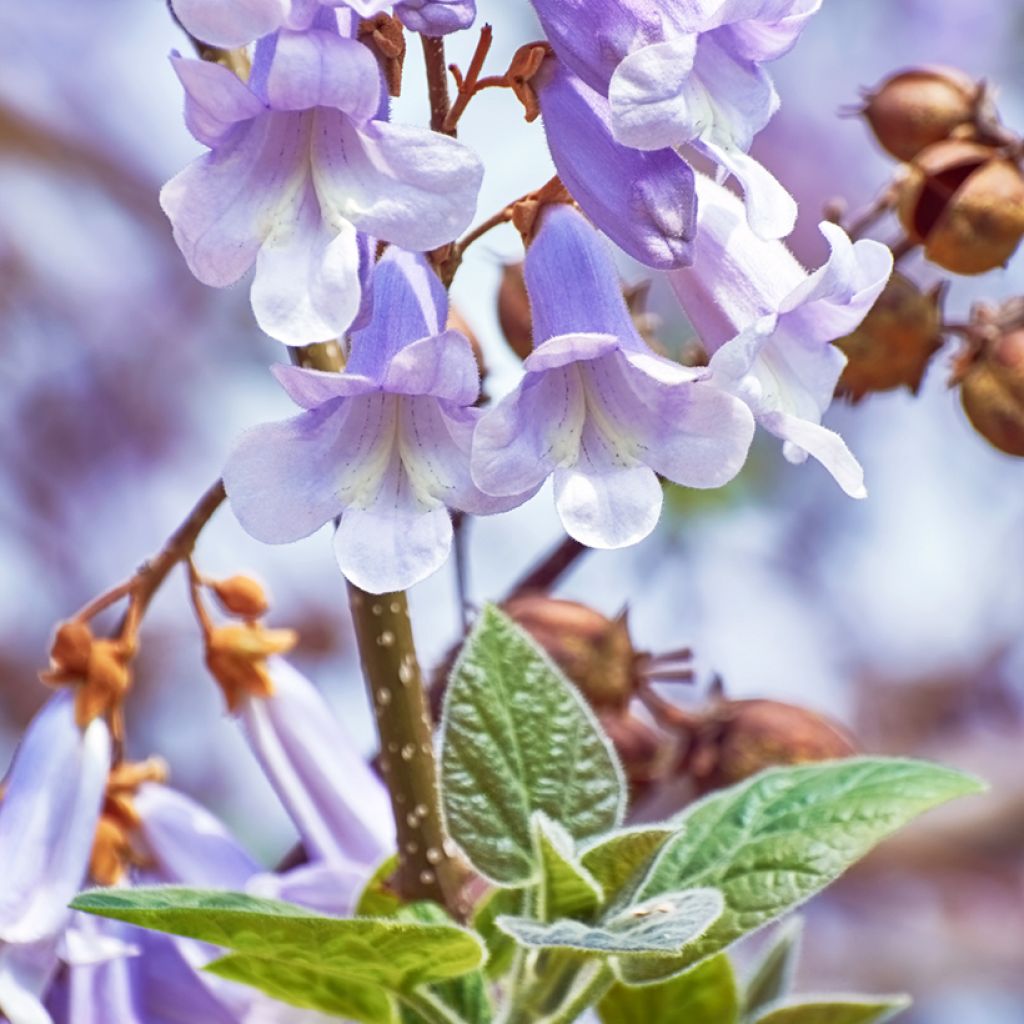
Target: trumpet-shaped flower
(687, 73)
(596, 408)
(234, 23)
(643, 201)
(382, 447)
(300, 171)
(768, 324)
(47, 823)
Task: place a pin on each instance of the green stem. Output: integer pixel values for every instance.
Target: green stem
(430, 1008)
(588, 994)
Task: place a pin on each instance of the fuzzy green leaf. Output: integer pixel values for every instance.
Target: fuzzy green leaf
(394, 955)
(567, 889)
(517, 737)
(705, 995)
(772, 976)
(836, 1010)
(771, 843)
(619, 862)
(660, 928)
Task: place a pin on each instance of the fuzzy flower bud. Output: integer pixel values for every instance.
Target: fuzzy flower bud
(916, 108)
(897, 340)
(237, 658)
(965, 203)
(241, 596)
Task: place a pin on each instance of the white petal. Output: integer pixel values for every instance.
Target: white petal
(824, 445)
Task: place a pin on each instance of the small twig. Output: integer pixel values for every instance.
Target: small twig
(857, 225)
(471, 84)
(460, 525)
(195, 585)
(550, 569)
(437, 83)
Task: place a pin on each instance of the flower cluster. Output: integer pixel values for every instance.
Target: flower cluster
(339, 210)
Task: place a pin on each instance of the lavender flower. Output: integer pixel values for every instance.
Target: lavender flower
(234, 23)
(597, 409)
(384, 445)
(644, 201)
(299, 166)
(687, 73)
(768, 324)
(47, 824)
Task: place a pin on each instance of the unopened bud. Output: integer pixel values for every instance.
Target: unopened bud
(514, 310)
(242, 596)
(738, 739)
(965, 203)
(896, 341)
(916, 108)
(70, 651)
(992, 392)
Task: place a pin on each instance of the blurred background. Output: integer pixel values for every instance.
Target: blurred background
(125, 382)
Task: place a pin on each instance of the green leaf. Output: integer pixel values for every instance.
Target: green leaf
(774, 841)
(567, 889)
(836, 1010)
(619, 862)
(659, 928)
(308, 988)
(772, 977)
(395, 955)
(378, 899)
(517, 737)
(501, 947)
(705, 995)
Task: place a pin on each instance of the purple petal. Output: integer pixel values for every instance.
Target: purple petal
(187, 844)
(230, 23)
(442, 366)
(397, 539)
(825, 445)
(436, 17)
(644, 202)
(225, 204)
(566, 349)
(48, 819)
(399, 183)
(410, 304)
(26, 971)
(215, 100)
(331, 887)
(521, 440)
(337, 803)
(313, 388)
(572, 282)
(603, 502)
(307, 286)
(323, 69)
(774, 31)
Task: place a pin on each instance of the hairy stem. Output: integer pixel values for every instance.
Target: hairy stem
(437, 84)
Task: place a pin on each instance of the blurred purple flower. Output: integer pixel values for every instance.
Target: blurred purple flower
(234, 23)
(47, 825)
(299, 167)
(687, 73)
(384, 445)
(598, 409)
(643, 201)
(768, 324)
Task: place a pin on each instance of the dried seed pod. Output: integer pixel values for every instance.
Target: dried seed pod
(737, 739)
(992, 391)
(965, 203)
(514, 310)
(896, 341)
(242, 596)
(595, 652)
(921, 106)
(646, 752)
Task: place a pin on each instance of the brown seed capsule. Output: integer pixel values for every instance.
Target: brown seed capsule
(896, 341)
(965, 203)
(242, 596)
(737, 739)
(916, 108)
(992, 392)
(514, 310)
(646, 752)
